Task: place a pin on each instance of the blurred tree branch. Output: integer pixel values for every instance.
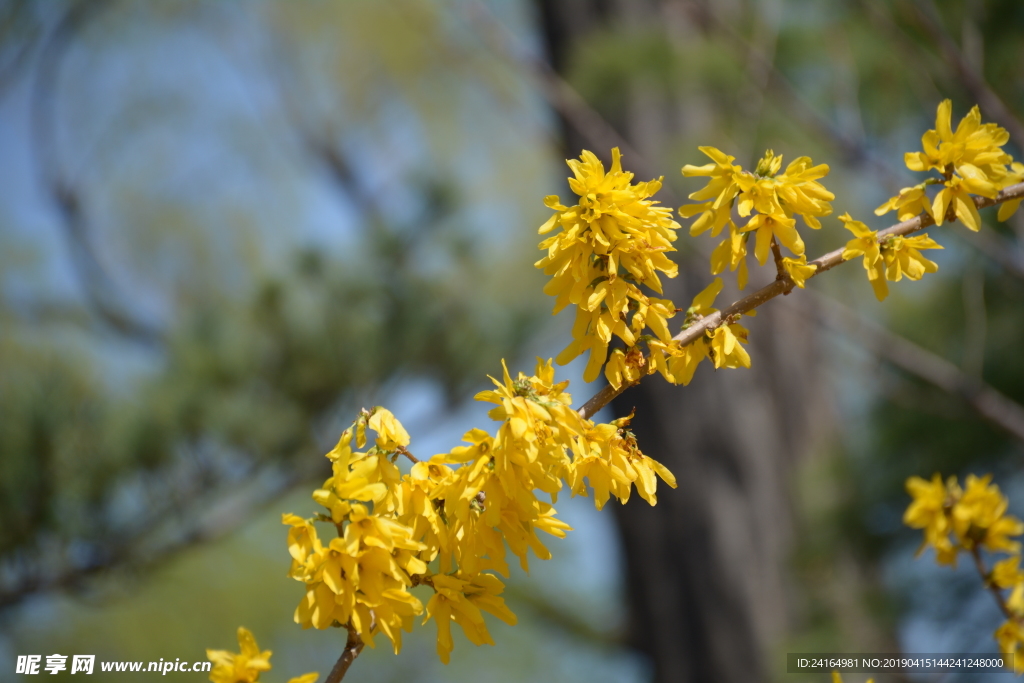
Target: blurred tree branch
(105, 299)
(971, 77)
(987, 402)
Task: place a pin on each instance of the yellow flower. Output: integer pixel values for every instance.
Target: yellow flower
(726, 346)
(770, 199)
(612, 242)
(607, 456)
(1006, 573)
(732, 253)
(930, 511)
(979, 517)
(625, 367)
(908, 203)
(1010, 636)
(720, 191)
(956, 194)
(865, 243)
(902, 256)
(1007, 209)
(972, 144)
(723, 344)
(244, 667)
(391, 435)
(461, 599)
(798, 269)
(970, 160)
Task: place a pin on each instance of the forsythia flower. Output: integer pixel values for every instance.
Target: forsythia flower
(460, 510)
(1006, 573)
(1010, 637)
(930, 511)
(770, 199)
(908, 203)
(247, 665)
(970, 160)
(732, 253)
(609, 244)
(975, 517)
(723, 344)
(893, 258)
(461, 600)
(798, 269)
(970, 519)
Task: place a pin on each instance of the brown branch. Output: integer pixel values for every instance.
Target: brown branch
(103, 296)
(353, 646)
(780, 268)
(404, 451)
(987, 580)
(774, 289)
(989, 403)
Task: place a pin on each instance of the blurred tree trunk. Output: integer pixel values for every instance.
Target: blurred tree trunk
(705, 568)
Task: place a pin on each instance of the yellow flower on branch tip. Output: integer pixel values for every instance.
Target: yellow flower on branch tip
(971, 161)
(973, 143)
(244, 667)
(798, 269)
(391, 435)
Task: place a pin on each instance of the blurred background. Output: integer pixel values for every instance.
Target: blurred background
(224, 227)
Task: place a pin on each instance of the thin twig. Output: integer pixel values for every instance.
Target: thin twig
(780, 268)
(979, 564)
(404, 451)
(353, 646)
(774, 289)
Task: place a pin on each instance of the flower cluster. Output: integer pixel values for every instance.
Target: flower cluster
(970, 161)
(892, 258)
(971, 519)
(247, 665)
(722, 345)
(608, 245)
(446, 524)
(770, 200)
